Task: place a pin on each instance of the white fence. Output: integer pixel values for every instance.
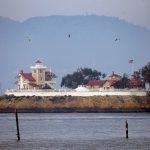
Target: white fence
(63, 92)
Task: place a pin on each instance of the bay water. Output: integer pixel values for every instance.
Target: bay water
(75, 131)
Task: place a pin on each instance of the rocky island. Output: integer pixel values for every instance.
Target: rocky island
(57, 104)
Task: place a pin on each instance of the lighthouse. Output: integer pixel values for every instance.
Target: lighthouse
(39, 78)
(38, 73)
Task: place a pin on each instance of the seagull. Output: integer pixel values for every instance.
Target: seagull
(28, 38)
(69, 35)
(117, 39)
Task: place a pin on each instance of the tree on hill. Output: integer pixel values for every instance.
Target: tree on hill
(81, 77)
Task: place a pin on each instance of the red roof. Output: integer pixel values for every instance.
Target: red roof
(38, 62)
(134, 82)
(96, 82)
(27, 76)
(33, 85)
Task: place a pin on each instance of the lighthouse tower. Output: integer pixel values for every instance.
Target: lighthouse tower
(38, 73)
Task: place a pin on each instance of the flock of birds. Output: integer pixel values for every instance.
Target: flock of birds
(69, 36)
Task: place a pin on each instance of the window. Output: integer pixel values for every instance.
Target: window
(40, 70)
(41, 79)
(34, 71)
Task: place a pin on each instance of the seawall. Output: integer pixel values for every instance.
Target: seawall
(75, 104)
(109, 92)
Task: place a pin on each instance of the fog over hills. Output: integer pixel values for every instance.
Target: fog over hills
(65, 43)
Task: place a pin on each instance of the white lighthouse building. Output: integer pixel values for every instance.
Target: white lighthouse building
(39, 78)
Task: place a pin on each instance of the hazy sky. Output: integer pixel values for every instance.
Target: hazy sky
(133, 11)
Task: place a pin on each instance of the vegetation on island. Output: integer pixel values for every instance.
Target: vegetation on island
(145, 73)
(49, 76)
(81, 77)
(121, 84)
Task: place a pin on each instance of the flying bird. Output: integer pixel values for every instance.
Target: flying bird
(69, 35)
(28, 38)
(117, 39)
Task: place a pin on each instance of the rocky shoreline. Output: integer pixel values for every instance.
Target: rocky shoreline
(71, 104)
(40, 110)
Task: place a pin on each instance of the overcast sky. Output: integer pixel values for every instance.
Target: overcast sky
(133, 11)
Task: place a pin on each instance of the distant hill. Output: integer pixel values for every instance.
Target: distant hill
(65, 43)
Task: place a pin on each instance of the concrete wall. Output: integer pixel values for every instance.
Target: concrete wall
(74, 93)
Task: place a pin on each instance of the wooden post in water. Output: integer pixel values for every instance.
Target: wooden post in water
(126, 129)
(17, 125)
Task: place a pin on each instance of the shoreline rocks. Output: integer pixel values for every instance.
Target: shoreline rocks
(74, 104)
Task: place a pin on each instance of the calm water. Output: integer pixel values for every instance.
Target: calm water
(75, 131)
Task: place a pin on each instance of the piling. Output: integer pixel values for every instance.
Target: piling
(17, 125)
(126, 129)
